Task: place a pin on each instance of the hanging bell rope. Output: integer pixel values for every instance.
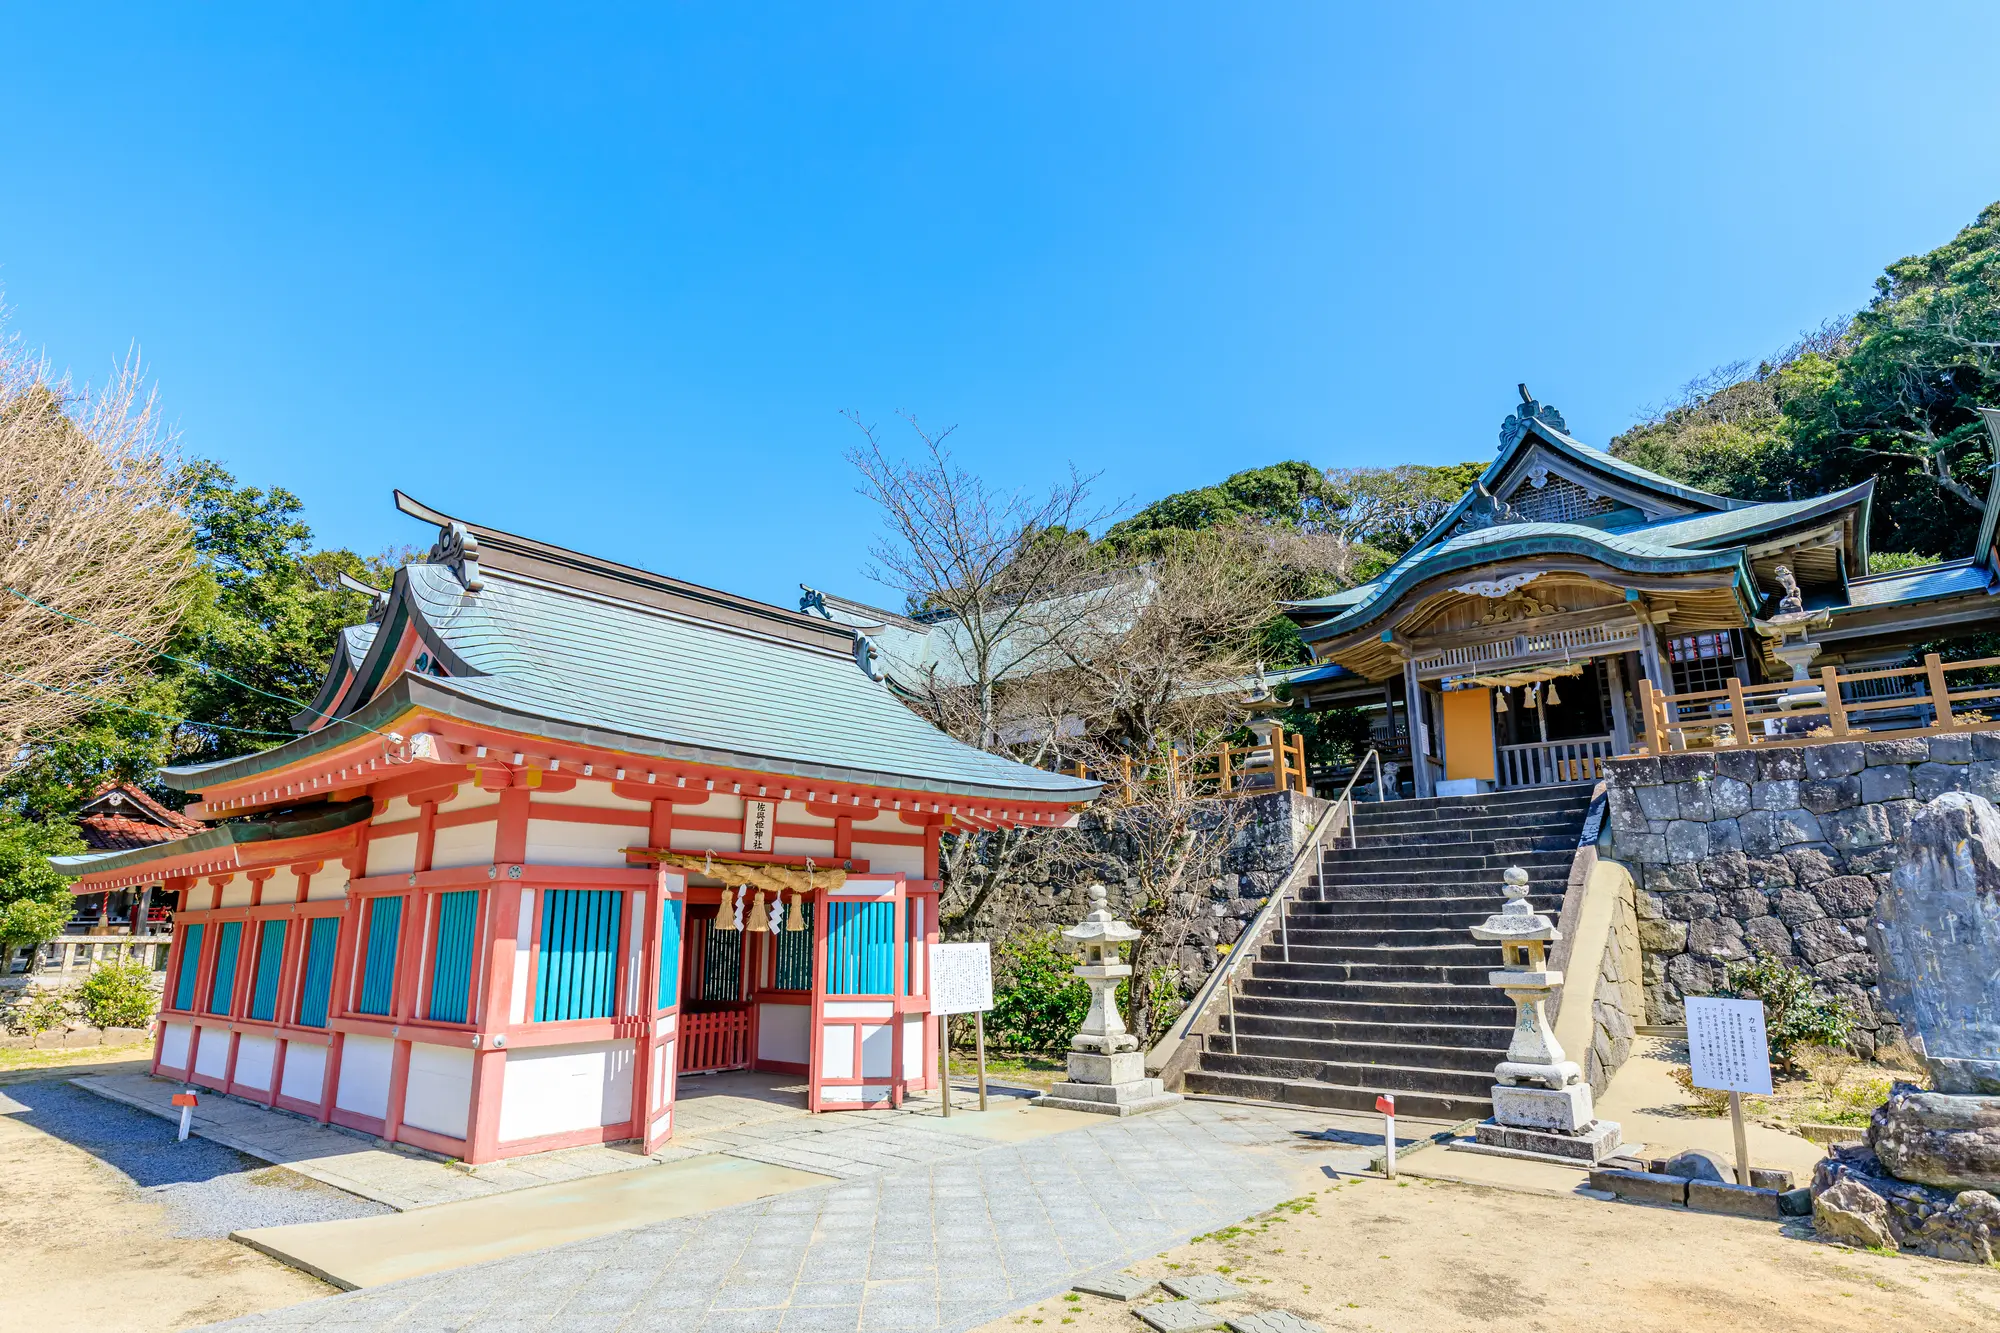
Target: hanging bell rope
(1550, 696)
(796, 919)
(1500, 701)
(725, 918)
(760, 920)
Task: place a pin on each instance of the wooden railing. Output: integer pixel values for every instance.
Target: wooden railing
(716, 1040)
(1225, 770)
(1833, 705)
(1546, 763)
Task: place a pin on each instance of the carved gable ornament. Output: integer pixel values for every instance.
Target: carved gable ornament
(1516, 425)
(458, 549)
(1509, 602)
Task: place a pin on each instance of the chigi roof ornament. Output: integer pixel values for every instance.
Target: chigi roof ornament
(1516, 425)
(378, 598)
(459, 549)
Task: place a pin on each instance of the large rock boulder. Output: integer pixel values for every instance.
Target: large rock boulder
(1853, 1214)
(1935, 933)
(1966, 1231)
(1950, 1142)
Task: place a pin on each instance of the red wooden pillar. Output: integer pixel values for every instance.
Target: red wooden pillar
(493, 1014)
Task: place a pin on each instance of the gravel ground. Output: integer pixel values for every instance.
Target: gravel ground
(208, 1190)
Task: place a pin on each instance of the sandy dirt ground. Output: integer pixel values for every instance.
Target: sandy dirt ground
(1430, 1257)
(82, 1248)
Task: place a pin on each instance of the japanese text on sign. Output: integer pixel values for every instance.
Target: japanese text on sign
(961, 978)
(760, 825)
(1726, 1045)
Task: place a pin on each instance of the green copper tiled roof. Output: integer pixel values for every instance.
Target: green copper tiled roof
(1632, 552)
(1914, 585)
(1709, 529)
(598, 670)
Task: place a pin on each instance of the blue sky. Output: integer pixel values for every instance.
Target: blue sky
(610, 280)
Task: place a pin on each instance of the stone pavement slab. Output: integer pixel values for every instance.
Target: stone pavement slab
(1203, 1287)
(1117, 1286)
(937, 1246)
(1178, 1316)
(1272, 1321)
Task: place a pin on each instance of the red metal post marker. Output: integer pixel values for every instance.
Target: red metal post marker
(1386, 1104)
(187, 1101)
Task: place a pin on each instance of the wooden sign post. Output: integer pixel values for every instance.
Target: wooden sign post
(1728, 1052)
(186, 1101)
(961, 983)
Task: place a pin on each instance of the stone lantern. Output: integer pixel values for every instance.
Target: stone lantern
(1107, 1072)
(1541, 1105)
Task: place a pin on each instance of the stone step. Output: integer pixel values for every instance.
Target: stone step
(1369, 1012)
(1479, 1060)
(1375, 974)
(1413, 1034)
(1485, 886)
(1318, 951)
(1335, 1097)
(1390, 914)
(1425, 937)
(1388, 1078)
(1391, 863)
(1465, 996)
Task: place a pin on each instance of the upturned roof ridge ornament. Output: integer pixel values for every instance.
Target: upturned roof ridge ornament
(378, 598)
(1516, 425)
(458, 549)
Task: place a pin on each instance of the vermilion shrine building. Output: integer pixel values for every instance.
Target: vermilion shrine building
(554, 831)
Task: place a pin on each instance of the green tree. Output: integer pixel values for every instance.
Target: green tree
(1891, 394)
(35, 901)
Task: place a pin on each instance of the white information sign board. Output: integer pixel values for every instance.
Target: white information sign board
(961, 978)
(1726, 1045)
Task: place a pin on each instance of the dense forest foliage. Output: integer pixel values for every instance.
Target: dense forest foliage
(1891, 392)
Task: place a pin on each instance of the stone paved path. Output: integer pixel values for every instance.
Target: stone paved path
(942, 1246)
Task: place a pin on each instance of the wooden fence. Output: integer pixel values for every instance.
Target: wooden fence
(1833, 705)
(1225, 770)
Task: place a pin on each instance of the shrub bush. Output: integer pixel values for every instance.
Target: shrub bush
(1796, 1013)
(1037, 1004)
(118, 995)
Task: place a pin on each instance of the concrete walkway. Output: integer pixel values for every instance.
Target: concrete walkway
(754, 1117)
(947, 1245)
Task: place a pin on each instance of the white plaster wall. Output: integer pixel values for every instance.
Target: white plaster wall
(397, 807)
(813, 847)
(305, 1072)
(524, 933)
(701, 840)
(439, 1091)
(794, 812)
(463, 845)
(552, 842)
(236, 893)
(470, 798)
(878, 1050)
(329, 882)
(174, 1046)
(836, 1051)
(211, 1054)
(915, 1057)
(392, 856)
(255, 1054)
(558, 1089)
(886, 820)
(592, 793)
(364, 1075)
(783, 1032)
(881, 856)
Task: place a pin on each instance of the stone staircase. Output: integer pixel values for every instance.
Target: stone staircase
(1386, 990)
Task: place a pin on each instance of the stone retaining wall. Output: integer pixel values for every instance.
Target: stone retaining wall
(1779, 851)
(1271, 828)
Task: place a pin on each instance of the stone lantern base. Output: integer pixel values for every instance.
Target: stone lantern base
(1556, 1123)
(1108, 1085)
